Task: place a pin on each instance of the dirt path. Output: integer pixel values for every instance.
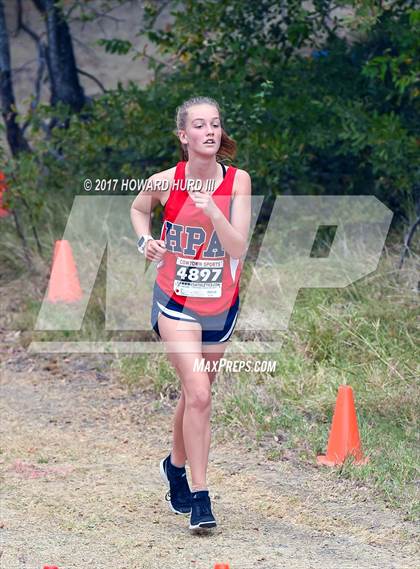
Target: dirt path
(81, 485)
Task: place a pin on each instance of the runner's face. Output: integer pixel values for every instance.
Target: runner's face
(203, 132)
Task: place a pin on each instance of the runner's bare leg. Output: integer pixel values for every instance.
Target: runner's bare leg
(211, 353)
(197, 393)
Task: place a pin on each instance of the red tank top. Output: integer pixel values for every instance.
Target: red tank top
(195, 270)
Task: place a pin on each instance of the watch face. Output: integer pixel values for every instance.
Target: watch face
(140, 243)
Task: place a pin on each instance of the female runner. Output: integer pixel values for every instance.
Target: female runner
(195, 300)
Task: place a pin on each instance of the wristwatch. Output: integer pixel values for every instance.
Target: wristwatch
(141, 243)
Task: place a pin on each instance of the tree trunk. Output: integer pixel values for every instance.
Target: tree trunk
(15, 138)
(64, 79)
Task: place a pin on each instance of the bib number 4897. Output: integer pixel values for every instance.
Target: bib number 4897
(202, 275)
(198, 278)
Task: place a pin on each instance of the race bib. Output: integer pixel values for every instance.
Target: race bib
(200, 278)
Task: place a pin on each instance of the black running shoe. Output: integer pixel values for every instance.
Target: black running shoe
(179, 493)
(201, 514)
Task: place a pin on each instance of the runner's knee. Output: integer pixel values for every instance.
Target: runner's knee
(198, 398)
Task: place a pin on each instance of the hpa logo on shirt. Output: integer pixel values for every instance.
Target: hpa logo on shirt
(195, 238)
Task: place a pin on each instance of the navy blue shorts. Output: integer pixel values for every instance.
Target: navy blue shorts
(215, 329)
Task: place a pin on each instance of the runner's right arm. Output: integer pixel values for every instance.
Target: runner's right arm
(140, 214)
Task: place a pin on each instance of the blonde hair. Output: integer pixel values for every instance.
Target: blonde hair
(227, 145)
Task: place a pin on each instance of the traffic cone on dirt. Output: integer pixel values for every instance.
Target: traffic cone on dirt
(64, 283)
(221, 566)
(344, 439)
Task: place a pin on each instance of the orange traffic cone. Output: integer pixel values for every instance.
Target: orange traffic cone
(64, 283)
(221, 566)
(344, 437)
